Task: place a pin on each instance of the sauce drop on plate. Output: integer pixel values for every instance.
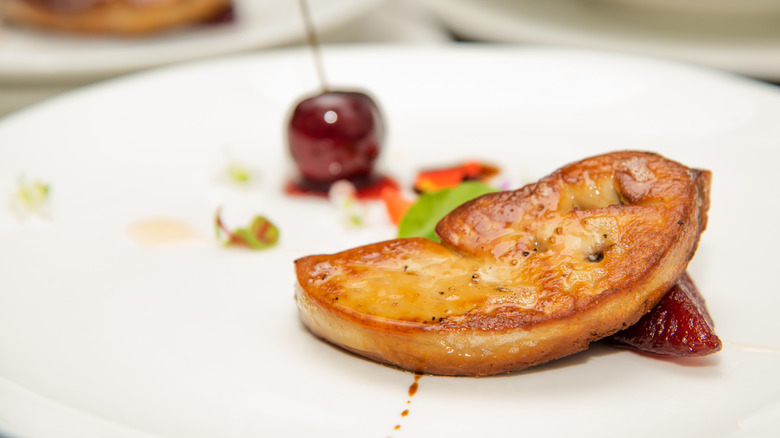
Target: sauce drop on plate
(412, 391)
(413, 388)
(154, 233)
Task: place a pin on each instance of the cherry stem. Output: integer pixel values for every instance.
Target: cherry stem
(314, 44)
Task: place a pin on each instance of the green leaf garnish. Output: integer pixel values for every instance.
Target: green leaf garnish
(421, 218)
(261, 233)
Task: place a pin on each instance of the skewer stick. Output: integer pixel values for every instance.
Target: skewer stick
(314, 44)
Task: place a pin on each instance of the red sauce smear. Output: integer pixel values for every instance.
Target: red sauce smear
(366, 189)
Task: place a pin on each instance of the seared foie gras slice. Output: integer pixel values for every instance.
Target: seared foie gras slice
(521, 277)
(119, 17)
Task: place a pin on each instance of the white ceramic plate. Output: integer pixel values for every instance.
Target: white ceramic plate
(744, 43)
(29, 54)
(102, 336)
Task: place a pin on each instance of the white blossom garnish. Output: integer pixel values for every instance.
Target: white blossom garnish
(343, 195)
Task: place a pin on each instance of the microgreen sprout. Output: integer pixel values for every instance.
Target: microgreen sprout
(31, 197)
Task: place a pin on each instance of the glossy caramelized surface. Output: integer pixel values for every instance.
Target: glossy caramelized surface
(575, 257)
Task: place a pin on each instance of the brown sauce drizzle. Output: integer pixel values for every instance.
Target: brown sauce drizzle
(413, 388)
(412, 391)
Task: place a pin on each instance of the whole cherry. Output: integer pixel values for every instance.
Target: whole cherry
(335, 135)
(679, 325)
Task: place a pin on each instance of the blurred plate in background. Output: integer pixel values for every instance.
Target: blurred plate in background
(742, 43)
(706, 7)
(29, 54)
(388, 22)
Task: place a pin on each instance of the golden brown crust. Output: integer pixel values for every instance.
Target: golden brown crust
(521, 277)
(128, 17)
